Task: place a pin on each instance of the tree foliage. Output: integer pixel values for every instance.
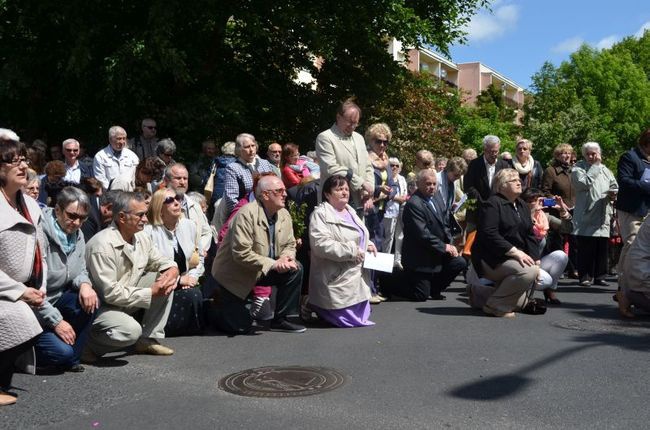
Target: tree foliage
(423, 114)
(602, 96)
(208, 67)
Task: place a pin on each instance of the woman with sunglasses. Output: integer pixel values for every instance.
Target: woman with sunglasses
(22, 264)
(71, 302)
(378, 138)
(176, 237)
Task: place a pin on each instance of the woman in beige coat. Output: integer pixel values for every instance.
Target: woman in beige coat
(22, 264)
(339, 287)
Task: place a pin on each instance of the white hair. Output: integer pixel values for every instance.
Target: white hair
(491, 140)
(6, 134)
(112, 132)
(590, 146)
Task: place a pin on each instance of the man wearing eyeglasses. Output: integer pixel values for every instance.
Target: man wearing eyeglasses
(144, 145)
(342, 151)
(129, 274)
(259, 249)
(74, 171)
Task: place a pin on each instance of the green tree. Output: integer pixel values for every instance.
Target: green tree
(603, 96)
(423, 114)
(207, 67)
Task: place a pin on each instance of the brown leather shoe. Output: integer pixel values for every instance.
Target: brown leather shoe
(151, 347)
(6, 399)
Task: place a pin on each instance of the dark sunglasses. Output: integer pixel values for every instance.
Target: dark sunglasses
(76, 217)
(381, 142)
(169, 200)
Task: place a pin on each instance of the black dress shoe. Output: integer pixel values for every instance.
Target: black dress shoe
(438, 297)
(601, 282)
(76, 368)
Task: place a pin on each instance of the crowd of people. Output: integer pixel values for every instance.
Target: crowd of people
(120, 250)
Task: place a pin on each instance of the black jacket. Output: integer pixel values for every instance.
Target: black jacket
(425, 236)
(501, 227)
(633, 195)
(476, 183)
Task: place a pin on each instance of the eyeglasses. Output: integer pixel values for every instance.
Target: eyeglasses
(169, 200)
(168, 154)
(394, 165)
(381, 142)
(16, 161)
(76, 217)
(70, 150)
(150, 127)
(278, 191)
(139, 215)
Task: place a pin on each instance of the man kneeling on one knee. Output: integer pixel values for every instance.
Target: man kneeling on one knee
(259, 249)
(430, 260)
(130, 275)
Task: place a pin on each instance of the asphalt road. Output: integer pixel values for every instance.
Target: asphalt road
(423, 366)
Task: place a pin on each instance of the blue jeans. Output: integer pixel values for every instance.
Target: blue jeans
(50, 349)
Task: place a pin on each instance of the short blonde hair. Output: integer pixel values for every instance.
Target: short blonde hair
(562, 147)
(502, 177)
(375, 129)
(155, 207)
(526, 142)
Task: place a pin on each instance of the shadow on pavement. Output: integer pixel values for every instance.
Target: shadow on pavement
(454, 311)
(502, 386)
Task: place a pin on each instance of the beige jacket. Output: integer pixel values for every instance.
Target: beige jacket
(336, 281)
(340, 155)
(115, 267)
(242, 257)
(18, 240)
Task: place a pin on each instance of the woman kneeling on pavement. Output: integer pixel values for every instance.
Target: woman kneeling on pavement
(339, 286)
(505, 250)
(176, 237)
(71, 301)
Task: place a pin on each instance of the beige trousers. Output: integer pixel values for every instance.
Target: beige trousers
(513, 284)
(629, 225)
(114, 328)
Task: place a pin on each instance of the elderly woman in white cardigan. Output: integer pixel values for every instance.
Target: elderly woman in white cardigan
(176, 237)
(22, 264)
(339, 287)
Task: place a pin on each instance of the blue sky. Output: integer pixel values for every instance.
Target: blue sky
(518, 36)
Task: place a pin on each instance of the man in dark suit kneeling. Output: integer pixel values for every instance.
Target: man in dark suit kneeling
(430, 261)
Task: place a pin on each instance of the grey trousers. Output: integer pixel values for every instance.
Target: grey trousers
(513, 284)
(114, 328)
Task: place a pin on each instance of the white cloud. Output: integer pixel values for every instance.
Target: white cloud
(487, 26)
(568, 46)
(607, 42)
(643, 28)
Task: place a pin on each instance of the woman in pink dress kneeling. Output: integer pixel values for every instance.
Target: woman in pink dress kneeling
(339, 287)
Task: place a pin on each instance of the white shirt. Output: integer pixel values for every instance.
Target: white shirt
(73, 173)
(490, 170)
(106, 166)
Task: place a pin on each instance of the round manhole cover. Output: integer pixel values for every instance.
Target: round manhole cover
(608, 326)
(288, 381)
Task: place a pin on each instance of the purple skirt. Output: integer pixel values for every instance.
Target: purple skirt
(352, 316)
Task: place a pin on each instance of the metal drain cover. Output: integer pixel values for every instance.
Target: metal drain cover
(608, 326)
(287, 381)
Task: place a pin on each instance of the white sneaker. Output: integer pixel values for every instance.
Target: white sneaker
(261, 309)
